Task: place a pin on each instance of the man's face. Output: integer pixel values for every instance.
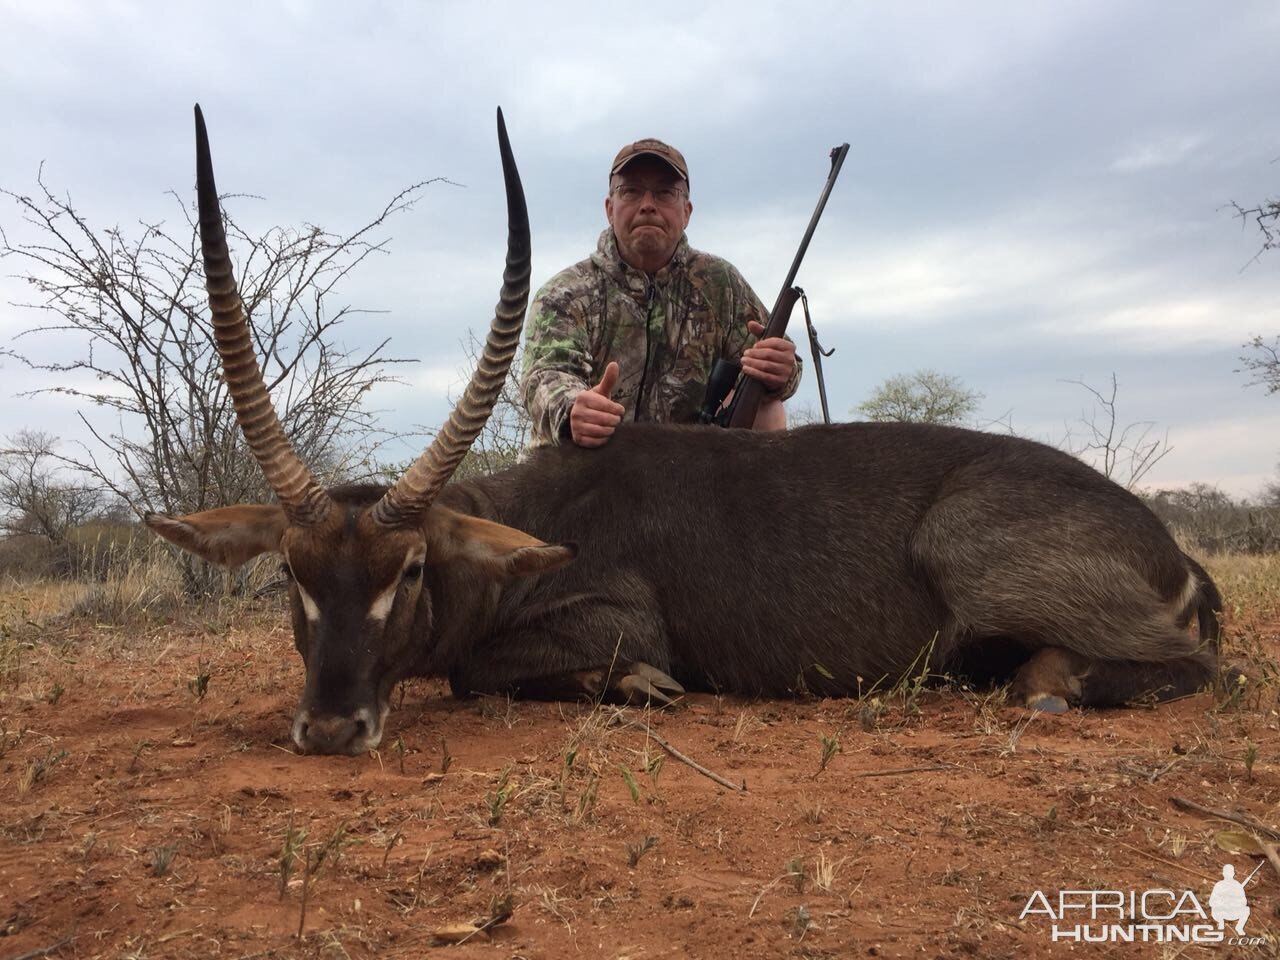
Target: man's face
(647, 228)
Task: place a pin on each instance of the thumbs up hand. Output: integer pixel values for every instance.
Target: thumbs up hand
(594, 416)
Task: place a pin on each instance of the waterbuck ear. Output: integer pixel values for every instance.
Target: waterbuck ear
(490, 547)
(227, 535)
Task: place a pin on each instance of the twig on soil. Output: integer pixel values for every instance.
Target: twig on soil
(763, 890)
(499, 912)
(688, 761)
(1188, 807)
(1000, 921)
(44, 951)
(1151, 776)
(1167, 863)
(104, 817)
(173, 936)
(892, 773)
(392, 842)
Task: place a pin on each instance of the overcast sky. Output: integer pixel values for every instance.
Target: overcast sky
(1036, 193)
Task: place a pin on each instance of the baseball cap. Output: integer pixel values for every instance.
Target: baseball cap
(652, 147)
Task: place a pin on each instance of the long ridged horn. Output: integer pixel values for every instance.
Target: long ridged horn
(413, 493)
(304, 501)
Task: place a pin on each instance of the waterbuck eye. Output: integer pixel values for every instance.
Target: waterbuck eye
(413, 571)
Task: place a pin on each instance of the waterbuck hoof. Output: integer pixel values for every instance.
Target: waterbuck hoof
(643, 683)
(1047, 703)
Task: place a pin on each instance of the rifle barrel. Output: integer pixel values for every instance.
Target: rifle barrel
(837, 161)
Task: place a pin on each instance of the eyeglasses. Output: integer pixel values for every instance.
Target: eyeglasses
(663, 196)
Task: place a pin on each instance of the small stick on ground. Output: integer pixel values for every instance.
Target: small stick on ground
(763, 890)
(688, 761)
(44, 951)
(1168, 863)
(1188, 807)
(893, 773)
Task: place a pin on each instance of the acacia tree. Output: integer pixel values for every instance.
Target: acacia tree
(925, 396)
(35, 500)
(41, 501)
(134, 302)
(138, 307)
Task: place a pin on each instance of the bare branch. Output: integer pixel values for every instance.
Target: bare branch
(1266, 217)
(1263, 364)
(1124, 454)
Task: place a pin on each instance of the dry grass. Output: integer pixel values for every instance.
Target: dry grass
(1249, 583)
(34, 602)
(146, 586)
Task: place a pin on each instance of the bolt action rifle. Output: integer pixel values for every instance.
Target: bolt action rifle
(748, 392)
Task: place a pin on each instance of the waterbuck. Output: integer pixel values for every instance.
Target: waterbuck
(824, 559)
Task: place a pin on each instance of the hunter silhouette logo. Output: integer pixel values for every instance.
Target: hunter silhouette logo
(1228, 902)
(1147, 916)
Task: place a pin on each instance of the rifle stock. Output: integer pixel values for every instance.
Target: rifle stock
(749, 392)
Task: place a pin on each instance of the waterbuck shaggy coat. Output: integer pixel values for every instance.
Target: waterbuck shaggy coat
(825, 559)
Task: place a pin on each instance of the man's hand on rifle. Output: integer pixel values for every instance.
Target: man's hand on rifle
(769, 361)
(594, 417)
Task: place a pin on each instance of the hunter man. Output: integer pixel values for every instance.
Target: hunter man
(633, 331)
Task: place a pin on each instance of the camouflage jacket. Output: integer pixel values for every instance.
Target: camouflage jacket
(665, 330)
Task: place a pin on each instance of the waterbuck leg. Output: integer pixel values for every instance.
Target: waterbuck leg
(639, 683)
(1113, 683)
(634, 682)
(1051, 680)
(1055, 678)
(609, 643)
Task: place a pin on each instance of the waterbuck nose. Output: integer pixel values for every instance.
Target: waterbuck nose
(334, 733)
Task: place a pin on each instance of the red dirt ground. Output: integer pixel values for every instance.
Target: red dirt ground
(140, 820)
